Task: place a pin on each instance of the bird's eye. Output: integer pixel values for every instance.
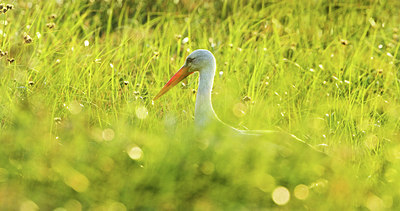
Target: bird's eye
(189, 59)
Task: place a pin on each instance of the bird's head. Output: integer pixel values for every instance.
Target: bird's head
(199, 60)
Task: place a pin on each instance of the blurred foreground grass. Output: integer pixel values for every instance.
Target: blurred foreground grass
(78, 129)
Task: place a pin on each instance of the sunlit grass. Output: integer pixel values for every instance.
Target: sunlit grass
(79, 130)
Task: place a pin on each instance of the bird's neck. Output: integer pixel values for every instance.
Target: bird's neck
(204, 112)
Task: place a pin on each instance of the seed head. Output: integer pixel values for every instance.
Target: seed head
(27, 39)
(344, 42)
(53, 16)
(51, 25)
(246, 98)
(9, 6)
(10, 60)
(57, 120)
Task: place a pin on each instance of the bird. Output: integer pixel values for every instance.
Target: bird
(204, 62)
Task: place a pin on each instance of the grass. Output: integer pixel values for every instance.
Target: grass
(79, 131)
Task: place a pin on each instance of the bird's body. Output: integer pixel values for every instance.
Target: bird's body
(204, 112)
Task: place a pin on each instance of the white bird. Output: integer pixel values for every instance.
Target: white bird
(204, 62)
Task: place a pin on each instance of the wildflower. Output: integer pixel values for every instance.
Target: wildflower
(10, 60)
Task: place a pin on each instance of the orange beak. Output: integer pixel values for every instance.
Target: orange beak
(179, 76)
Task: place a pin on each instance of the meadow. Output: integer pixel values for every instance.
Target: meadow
(79, 129)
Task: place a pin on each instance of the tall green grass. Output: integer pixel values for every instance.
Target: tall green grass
(79, 131)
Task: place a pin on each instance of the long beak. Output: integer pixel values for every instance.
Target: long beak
(179, 76)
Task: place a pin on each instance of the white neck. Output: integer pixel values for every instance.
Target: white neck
(204, 112)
